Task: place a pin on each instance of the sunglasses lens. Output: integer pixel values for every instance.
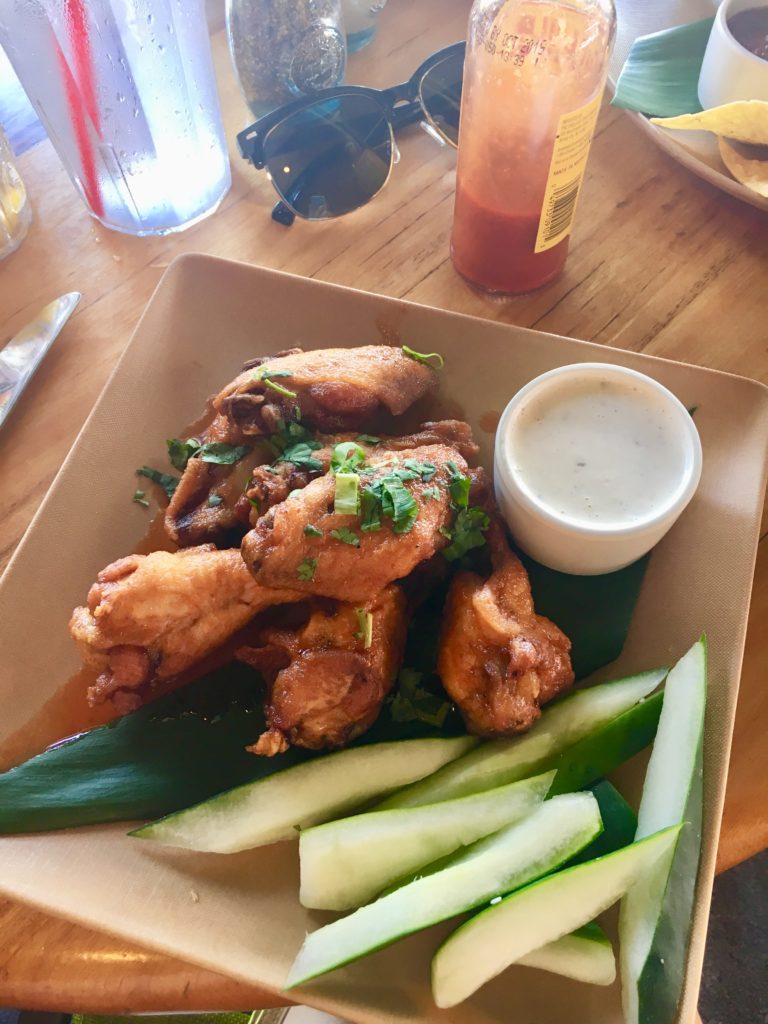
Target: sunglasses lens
(440, 93)
(330, 157)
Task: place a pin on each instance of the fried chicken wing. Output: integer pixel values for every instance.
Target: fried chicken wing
(333, 388)
(303, 543)
(327, 687)
(271, 484)
(499, 660)
(150, 617)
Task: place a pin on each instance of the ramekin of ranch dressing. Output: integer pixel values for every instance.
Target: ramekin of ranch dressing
(593, 464)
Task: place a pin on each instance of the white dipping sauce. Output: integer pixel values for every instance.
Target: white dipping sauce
(599, 451)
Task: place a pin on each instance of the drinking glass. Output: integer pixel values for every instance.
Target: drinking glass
(15, 211)
(127, 94)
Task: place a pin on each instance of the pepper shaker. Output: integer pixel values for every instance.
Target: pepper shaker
(283, 49)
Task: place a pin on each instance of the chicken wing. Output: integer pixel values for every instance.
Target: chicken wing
(150, 617)
(333, 388)
(303, 543)
(328, 680)
(271, 484)
(499, 660)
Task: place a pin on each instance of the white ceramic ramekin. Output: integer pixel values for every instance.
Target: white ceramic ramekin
(589, 549)
(729, 70)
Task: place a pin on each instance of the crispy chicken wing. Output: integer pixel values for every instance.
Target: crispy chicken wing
(333, 388)
(150, 617)
(325, 686)
(499, 660)
(297, 543)
(271, 484)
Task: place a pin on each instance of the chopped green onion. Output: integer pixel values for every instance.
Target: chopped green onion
(214, 500)
(312, 531)
(399, 503)
(346, 501)
(346, 457)
(367, 439)
(140, 499)
(365, 627)
(305, 570)
(425, 357)
(345, 535)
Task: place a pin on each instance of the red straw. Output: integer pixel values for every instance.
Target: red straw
(81, 97)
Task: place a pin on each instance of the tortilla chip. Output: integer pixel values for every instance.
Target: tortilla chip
(745, 121)
(747, 164)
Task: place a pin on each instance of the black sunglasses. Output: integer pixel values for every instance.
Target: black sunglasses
(330, 153)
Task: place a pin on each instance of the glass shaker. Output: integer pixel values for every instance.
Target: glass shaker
(15, 211)
(283, 49)
(533, 80)
(361, 21)
(127, 94)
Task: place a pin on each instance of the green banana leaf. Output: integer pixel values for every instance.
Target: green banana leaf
(661, 74)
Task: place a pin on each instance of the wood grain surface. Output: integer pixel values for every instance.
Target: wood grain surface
(661, 262)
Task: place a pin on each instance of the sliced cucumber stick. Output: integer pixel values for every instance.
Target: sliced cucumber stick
(603, 750)
(503, 761)
(271, 809)
(502, 862)
(537, 915)
(656, 914)
(584, 955)
(348, 862)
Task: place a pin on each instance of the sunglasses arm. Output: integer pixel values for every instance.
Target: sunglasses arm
(283, 214)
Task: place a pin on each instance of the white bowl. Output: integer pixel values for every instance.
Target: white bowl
(730, 71)
(570, 543)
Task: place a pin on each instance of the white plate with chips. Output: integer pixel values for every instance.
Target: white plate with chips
(697, 151)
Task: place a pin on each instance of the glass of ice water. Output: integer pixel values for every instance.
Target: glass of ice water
(127, 94)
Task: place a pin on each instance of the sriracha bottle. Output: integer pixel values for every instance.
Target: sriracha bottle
(534, 75)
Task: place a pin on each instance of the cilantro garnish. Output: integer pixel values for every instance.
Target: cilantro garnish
(345, 535)
(165, 480)
(367, 439)
(288, 434)
(467, 533)
(458, 486)
(300, 454)
(398, 502)
(180, 452)
(413, 702)
(139, 498)
(425, 357)
(365, 627)
(214, 500)
(370, 511)
(305, 570)
(312, 531)
(431, 493)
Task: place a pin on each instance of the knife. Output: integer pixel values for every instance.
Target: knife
(24, 352)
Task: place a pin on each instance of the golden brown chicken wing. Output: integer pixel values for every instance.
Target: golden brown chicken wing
(499, 660)
(332, 388)
(150, 617)
(328, 679)
(304, 543)
(271, 484)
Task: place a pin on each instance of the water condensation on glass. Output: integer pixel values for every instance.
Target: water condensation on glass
(15, 211)
(130, 104)
(282, 49)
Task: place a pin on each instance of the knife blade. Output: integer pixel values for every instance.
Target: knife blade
(25, 351)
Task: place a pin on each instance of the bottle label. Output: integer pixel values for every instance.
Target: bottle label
(566, 173)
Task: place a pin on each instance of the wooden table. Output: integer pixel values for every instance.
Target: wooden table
(660, 263)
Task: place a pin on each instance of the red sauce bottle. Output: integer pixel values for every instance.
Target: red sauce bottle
(533, 80)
